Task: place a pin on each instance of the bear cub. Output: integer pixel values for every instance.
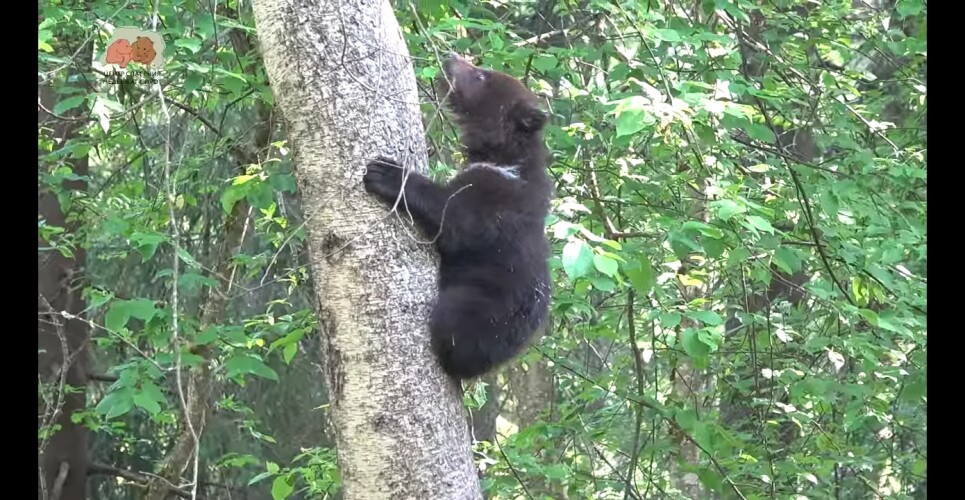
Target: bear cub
(488, 221)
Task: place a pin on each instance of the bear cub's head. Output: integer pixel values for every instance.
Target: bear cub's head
(500, 118)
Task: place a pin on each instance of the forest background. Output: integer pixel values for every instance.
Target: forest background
(739, 234)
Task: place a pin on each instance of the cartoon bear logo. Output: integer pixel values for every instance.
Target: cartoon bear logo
(142, 50)
(119, 53)
(129, 44)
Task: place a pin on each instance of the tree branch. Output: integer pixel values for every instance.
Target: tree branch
(138, 478)
(102, 377)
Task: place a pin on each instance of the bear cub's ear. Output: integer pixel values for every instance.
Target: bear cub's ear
(529, 118)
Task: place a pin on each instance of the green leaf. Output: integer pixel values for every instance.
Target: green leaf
(144, 400)
(577, 258)
(630, 122)
(69, 104)
(713, 247)
(288, 353)
(670, 319)
(242, 179)
(909, 7)
(110, 103)
(632, 115)
(760, 132)
(123, 310)
(760, 223)
(888, 320)
(283, 182)
(544, 62)
(42, 37)
(97, 298)
(116, 317)
(192, 82)
(915, 389)
(496, 42)
(261, 195)
(233, 334)
(710, 477)
(728, 208)
(703, 228)
(231, 196)
(429, 72)
(187, 258)
(919, 467)
(143, 309)
(738, 255)
(556, 472)
(208, 336)
(152, 391)
(259, 477)
(870, 316)
(706, 317)
(787, 260)
(829, 204)
(666, 35)
(281, 488)
(562, 230)
(605, 265)
(249, 365)
(687, 418)
(692, 344)
(882, 275)
(147, 243)
(192, 44)
(710, 337)
(602, 283)
(732, 8)
(641, 276)
(116, 403)
(682, 244)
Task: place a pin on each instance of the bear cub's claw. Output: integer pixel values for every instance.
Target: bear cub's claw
(383, 176)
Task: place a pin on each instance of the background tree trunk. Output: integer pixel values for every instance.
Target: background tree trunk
(343, 80)
(484, 419)
(62, 342)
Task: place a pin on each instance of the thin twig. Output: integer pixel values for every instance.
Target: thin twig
(176, 242)
(135, 477)
(58, 488)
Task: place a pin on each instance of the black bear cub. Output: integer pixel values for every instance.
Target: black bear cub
(488, 221)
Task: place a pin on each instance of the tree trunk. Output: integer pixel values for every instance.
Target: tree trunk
(62, 363)
(534, 392)
(345, 84)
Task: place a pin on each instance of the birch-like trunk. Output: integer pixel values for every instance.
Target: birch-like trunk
(342, 78)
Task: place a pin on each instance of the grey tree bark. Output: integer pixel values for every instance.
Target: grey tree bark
(342, 77)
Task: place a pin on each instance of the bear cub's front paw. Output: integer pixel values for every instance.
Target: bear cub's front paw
(383, 177)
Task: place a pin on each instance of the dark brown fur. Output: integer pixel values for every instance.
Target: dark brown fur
(494, 283)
